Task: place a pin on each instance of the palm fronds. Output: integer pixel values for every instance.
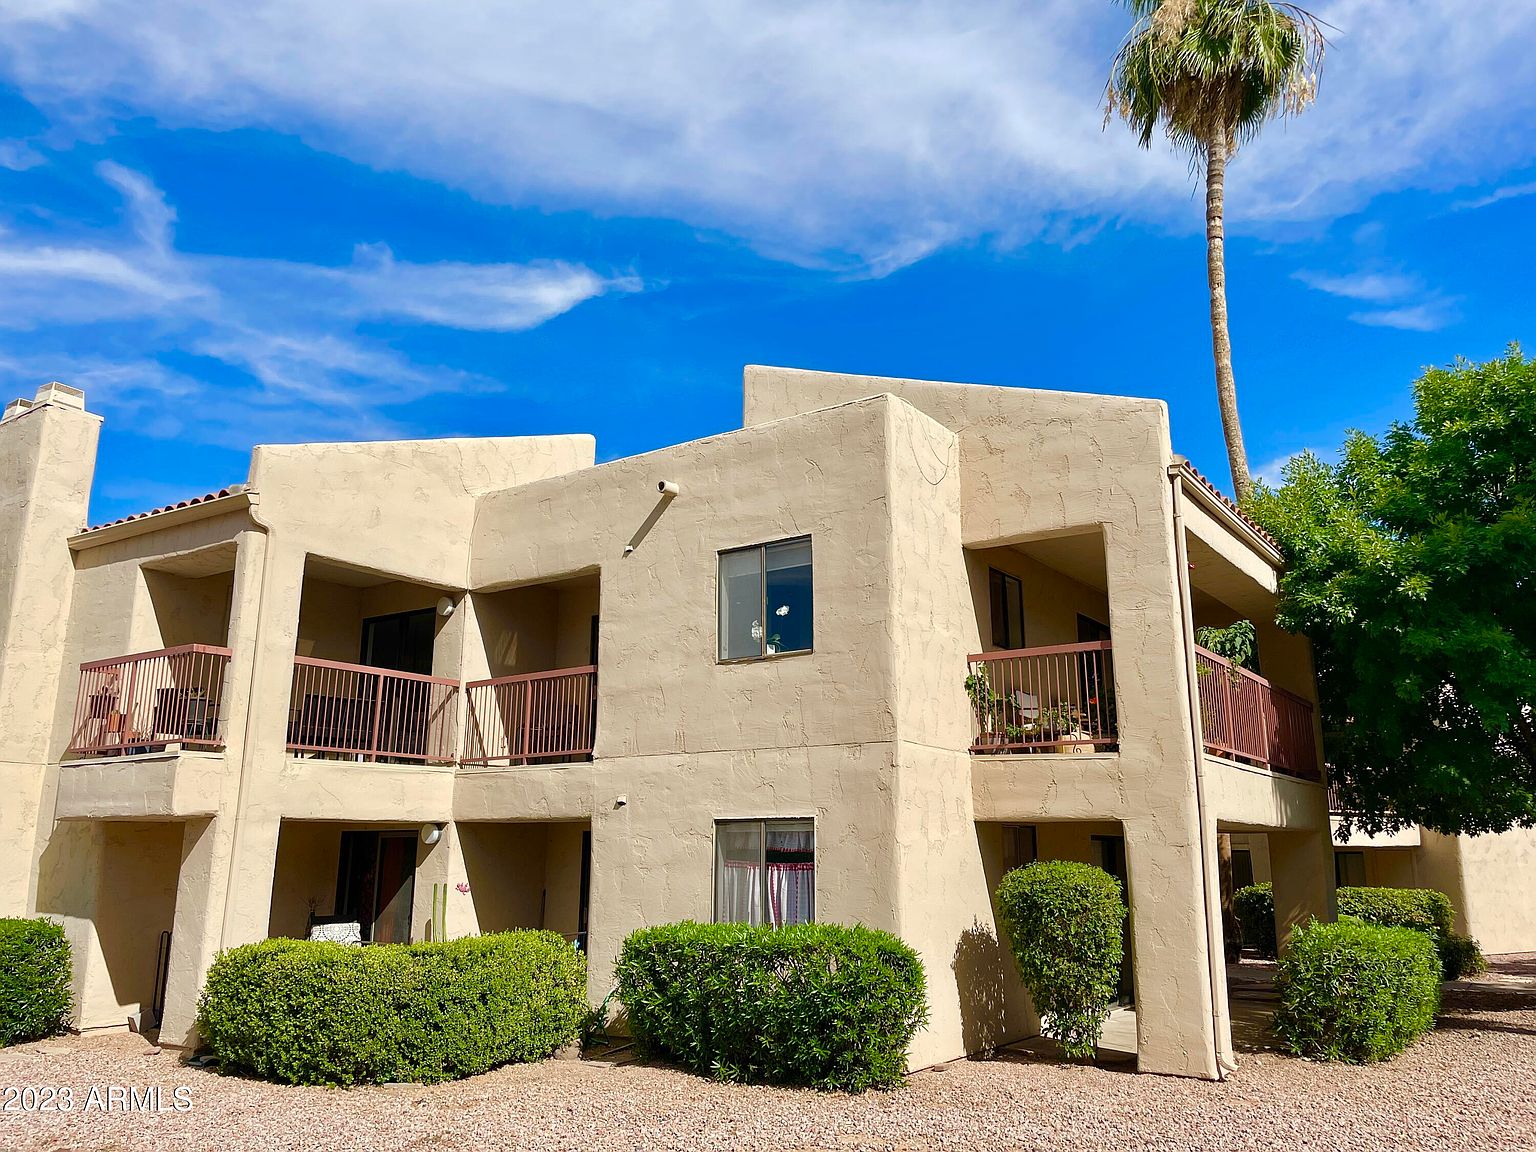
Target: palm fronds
(1213, 69)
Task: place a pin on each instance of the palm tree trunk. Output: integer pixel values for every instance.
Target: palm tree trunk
(1221, 340)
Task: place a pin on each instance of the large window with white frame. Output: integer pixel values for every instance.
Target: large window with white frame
(765, 872)
(766, 600)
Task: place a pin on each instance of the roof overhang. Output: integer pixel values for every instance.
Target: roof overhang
(237, 500)
(1198, 489)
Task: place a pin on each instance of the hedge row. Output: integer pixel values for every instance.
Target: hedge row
(821, 1005)
(1422, 909)
(314, 1012)
(35, 980)
(1356, 992)
(1066, 923)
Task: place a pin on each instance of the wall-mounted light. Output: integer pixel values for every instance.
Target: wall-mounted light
(445, 606)
(431, 833)
(668, 487)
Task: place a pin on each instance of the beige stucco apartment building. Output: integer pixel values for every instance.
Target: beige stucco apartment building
(849, 662)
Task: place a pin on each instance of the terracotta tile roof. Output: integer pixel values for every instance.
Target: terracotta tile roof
(1198, 476)
(232, 490)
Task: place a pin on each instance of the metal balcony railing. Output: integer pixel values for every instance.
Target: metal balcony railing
(371, 713)
(147, 701)
(1247, 718)
(1053, 699)
(540, 717)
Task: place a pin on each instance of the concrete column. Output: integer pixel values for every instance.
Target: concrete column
(1301, 865)
(1175, 1029)
(195, 930)
(47, 457)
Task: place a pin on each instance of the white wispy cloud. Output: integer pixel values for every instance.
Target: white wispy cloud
(1372, 286)
(1399, 300)
(1498, 195)
(871, 130)
(1428, 317)
(288, 327)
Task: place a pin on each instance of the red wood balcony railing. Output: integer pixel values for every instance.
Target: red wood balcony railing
(149, 700)
(1247, 718)
(371, 713)
(539, 717)
(1053, 699)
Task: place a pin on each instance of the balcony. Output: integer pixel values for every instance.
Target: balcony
(364, 713)
(149, 701)
(1248, 719)
(1053, 699)
(535, 718)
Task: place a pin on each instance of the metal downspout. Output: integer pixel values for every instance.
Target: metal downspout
(1214, 946)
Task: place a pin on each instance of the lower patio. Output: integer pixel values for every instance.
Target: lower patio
(1465, 1085)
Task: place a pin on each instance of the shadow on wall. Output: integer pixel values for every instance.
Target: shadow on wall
(980, 966)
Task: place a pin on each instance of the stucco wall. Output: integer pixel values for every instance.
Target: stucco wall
(1499, 890)
(47, 457)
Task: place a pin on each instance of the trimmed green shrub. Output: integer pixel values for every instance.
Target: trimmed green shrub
(1255, 907)
(1461, 956)
(820, 1005)
(1066, 923)
(35, 979)
(1355, 992)
(314, 1012)
(1424, 910)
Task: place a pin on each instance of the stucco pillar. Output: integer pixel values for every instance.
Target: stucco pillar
(194, 931)
(1175, 1029)
(1301, 864)
(47, 456)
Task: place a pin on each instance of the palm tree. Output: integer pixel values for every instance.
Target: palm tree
(1212, 73)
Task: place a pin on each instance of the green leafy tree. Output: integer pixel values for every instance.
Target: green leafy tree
(1212, 73)
(1411, 565)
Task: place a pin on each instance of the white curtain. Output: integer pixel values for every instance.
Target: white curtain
(739, 900)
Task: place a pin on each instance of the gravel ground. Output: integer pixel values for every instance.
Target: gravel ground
(1468, 1085)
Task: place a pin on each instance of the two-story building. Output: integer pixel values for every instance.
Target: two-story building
(850, 662)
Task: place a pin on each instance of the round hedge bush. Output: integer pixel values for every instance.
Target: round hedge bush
(1355, 992)
(1424, 910)
(819, 1005)
(1065, 921)
(35, 978)
(314, 1012)
(1255, 907)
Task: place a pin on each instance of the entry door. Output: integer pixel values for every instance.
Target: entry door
(396, 888)
(1111, 852)
(377, 883)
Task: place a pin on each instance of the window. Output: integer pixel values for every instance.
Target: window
(1349, 869)
(1007, 610)
(765, 600)
(765, 872)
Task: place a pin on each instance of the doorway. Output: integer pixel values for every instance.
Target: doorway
(401, 641)
(1111, 857)
(376, 884)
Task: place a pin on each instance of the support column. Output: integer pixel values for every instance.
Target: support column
(1301, 865)
(1175, 1015)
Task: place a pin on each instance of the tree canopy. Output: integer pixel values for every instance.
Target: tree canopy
(1411, 565)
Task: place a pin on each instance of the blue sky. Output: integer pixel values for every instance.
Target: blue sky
(286, 221)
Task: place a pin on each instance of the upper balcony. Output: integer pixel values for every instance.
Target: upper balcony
(167, 692)
(378, 675)
(1059, 695)
(150, 701)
